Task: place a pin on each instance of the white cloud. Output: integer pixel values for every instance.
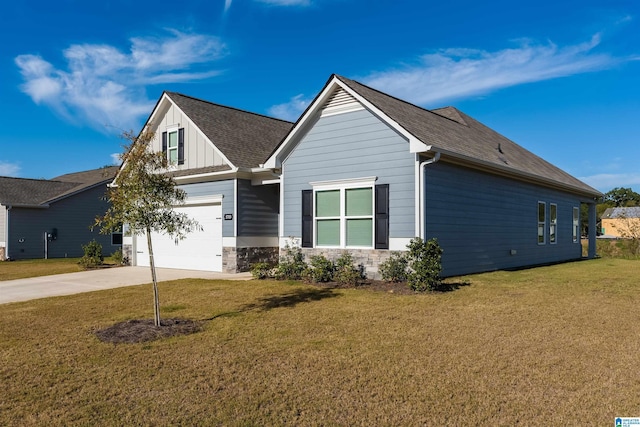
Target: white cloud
(103, 86)
(607, 181)
(115, 159)
(290, 110)
(460, 73)
(9, 169)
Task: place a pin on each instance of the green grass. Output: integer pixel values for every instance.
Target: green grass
(22, 269)
(556, 345)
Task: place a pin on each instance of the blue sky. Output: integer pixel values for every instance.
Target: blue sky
(561, 78)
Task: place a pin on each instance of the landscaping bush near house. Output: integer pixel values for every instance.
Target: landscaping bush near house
(117, 257)
(92, 255)
(425, 263)
(292, 265)
(346, 273)
(395, 268)
(320, 269)
(262, 270)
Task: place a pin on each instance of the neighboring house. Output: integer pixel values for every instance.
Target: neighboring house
(52, 218)
(360, 171)
(366, 172)
(621, 222)
(215, 152)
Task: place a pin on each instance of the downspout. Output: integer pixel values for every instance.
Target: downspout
(422, 197)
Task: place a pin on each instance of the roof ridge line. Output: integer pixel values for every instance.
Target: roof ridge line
(399, 99)
(228, 106)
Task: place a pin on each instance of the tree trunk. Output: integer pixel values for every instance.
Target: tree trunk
(156, 299)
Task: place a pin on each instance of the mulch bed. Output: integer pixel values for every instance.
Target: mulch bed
(144, 330)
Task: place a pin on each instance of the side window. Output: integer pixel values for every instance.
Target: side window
(172, 147)
(542, 222)
(553, 223)
(576, 224)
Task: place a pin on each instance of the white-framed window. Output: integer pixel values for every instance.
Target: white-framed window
(344, 214)
(576, 224)
(542, 222)
(172, 146)
(553, 223)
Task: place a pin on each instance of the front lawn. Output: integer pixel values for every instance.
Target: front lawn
(22, 269)
(556, 345)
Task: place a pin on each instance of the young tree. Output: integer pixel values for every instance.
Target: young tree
(143, 196)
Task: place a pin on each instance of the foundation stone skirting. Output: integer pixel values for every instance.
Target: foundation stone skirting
(370, 259)
(240, 260)
(2, 253)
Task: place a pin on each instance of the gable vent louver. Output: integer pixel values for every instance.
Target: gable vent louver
(339, 102)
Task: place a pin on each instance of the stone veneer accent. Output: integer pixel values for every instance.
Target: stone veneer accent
(127, 254)
(238, 260)
(370, 259)
(2, 257)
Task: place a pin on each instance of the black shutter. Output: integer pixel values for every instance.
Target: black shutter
(164, 143)
(382, 217)
(307, 218)
(181, 146)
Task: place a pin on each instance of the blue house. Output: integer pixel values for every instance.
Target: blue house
(42, 218)
(365, 172)
(360, 171)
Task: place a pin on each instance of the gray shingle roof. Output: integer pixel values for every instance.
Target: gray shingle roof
(36, 192)
(245, 138)
(622, 212)
(450, 130)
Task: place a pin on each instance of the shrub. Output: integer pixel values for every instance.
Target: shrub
(92, 255)
(395, 268)
(320, 269)
(117, 256)
(291, 265)
(261, 270)
(345, 272)
(425, 262)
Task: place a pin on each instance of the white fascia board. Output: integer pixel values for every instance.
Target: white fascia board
(203, 200)
(263, 176)
(204, 177)
(349, 182)
(275, 161)
(415, 145)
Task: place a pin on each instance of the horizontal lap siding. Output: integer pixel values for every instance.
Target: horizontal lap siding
(226, 189)
(351, 145)
(72, 217)
(479, 218)
(257, 209)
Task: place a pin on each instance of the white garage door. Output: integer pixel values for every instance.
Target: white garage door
(200, 250)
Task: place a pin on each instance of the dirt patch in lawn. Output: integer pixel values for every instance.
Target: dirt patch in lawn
(143, 330)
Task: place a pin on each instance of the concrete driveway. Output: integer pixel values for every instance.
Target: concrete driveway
(94, 280)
